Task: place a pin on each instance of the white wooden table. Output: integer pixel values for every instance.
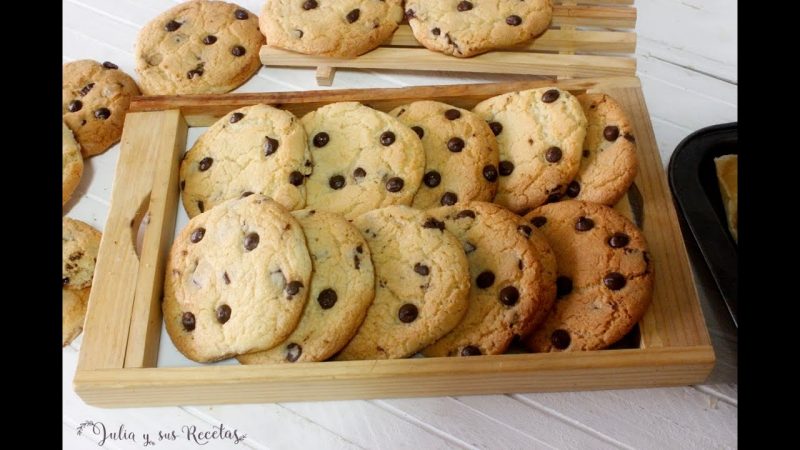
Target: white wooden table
(687, 63)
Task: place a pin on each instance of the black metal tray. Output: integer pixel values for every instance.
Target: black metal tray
(693, 181)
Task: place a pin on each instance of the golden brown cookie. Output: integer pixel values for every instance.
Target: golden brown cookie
(71, 164)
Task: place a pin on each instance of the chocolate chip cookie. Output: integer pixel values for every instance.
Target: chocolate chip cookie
(466, 28)
(71, 163)
(364, 159)
(198, 47)
(73, 313)
(540, 133)
(94, 100)
(605, 276)
(421, 284)
(461, 153)
(342, 288)
(339, 28)
(256, 149)
(79, 245)
(236, 280)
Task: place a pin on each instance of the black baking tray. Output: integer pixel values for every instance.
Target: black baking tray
(694, 184)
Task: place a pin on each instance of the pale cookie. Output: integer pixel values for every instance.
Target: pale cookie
(236, 281)
(466, 28)
(460, 153)
(339, 28)
(94, 101)
(605, 281)
(421, 284)
(256, 149)
(342, 288)
(508, 284)
(540, 133)
(71, 163)
(73, 313)
(198, 47)
(609, 162)
(79, 245)
(363, 159)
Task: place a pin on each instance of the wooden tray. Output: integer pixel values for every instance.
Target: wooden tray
(593, 38)
(117, 365)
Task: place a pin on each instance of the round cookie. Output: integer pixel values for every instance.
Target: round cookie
(540, 133)
(467, 28)
(79, 245)
(339, 28)
(94, 100)
(198, 47)
(421, 284)
(461, 153)
(508, 284)
(609, 162)
(73, 313)
(363, 159)
(236, 280)
(341, 291)
(255, 149)
(605, 281)
(71, 163)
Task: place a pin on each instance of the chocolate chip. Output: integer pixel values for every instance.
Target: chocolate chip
(452, 114)
(208, 40)
(496, 127)
(553, 154)
(226, 278)
(359, 173)
(110, 65)
(618, 240)
(560, 339)
(420, 132)
(200, 206)
(172, 25)
(293, 288)
(298, 33)
(514, 20)
(573, 189)
(490, 173)
(436, 31)
(296, 178)
(223, 313)
(64, 281)
(238, 50)
(356, 262)
(102, 113)
(629, 137)
(506, 167)
(520, 265)
(293, 352)
(387, 138)
(550, 96)
(336, 182)
(586, 153)
(353, 15)
(321, 139)
(196, 72)
(240, 14)
(394, 184)
(235, 117)
(407, 313)
(432, 179)
(251, 241)
(455, 145)
(422, 269)
(197, 235)
(539, 221)
(485, 279)
(470, 350)
(246, 194)
(614, 281)
(360, 249)
(75, 105)
(464, 6)
(563, 286)
(270, 145)
(205, 163)
(509, 296)
(187, 319)
(552, 198)
(611, 133)
(584, 224)
(430, 222)
(410, 14)
(525, 230)
(76, 255)
(327, 298)
(310, 4)
(466, 213)
(85, 90)
(448, 199)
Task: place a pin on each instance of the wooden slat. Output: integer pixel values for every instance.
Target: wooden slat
(594, 16)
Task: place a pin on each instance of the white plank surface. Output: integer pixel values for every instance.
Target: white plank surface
(687, 63)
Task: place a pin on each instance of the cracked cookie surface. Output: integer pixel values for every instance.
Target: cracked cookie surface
(80, 243)
(71, 163)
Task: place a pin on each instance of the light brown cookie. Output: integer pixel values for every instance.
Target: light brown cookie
(73, 313)
(605, 281)
(71, 164)
(198, 47)
(79, 245)
(461, 153)
(94, 101)
(421, 284)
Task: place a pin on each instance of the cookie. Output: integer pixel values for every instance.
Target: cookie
(460, 153)
(255, 149)
(363, 159)
(341, 290)
(605, 276)
(94, 101)
(79, 245)
(727, 167)
(421, 284)
(467, 28)
(540, 133)
(73, 313)
(508, 285)
(71, 163)
(341, 28)
(198, 47)
(236, 280)
(609, 162)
